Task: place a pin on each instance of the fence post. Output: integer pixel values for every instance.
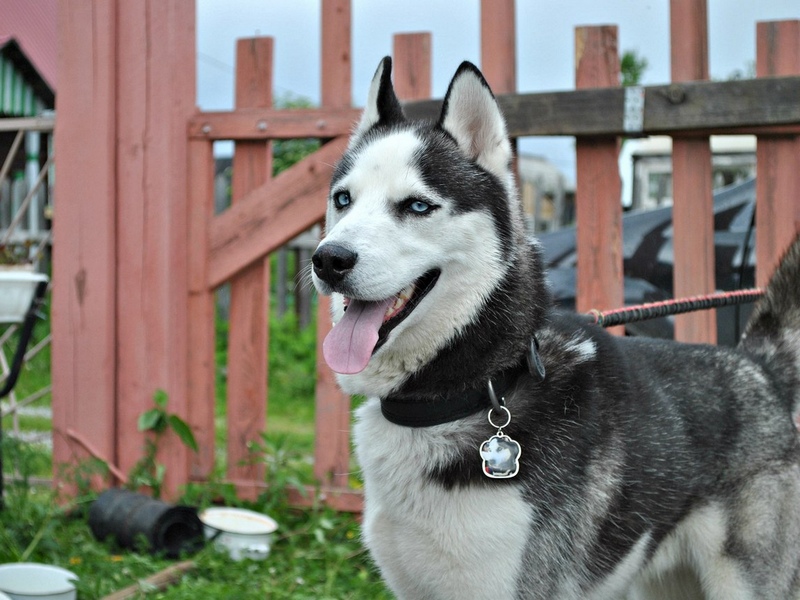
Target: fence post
(84, 286)
(499, 53)
(249, 314)
(332, 419)
(200, 309)
(411, 57)
(777, 158)
(598, 205)
(693, 199)
(498, 45)
(155, 67)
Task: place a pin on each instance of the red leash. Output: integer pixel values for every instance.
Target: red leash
(652, 310)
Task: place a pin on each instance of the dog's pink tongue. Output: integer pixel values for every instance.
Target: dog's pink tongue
(348, 347)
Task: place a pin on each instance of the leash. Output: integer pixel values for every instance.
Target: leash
(653, 310)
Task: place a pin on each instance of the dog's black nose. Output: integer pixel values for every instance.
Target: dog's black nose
(332, 262)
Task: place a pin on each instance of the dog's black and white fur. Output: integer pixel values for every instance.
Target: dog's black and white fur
(649, 469)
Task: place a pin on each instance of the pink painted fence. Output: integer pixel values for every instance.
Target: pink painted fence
(139, 250)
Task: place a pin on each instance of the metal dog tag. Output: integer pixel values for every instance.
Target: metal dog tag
(500, 454)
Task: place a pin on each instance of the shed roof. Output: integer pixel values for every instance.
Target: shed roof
(33, 26)
(23, 91)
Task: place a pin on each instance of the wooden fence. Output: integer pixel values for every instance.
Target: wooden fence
(139, 255)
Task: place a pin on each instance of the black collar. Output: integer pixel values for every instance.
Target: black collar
(418, 412)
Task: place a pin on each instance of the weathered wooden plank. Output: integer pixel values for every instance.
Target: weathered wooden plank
(498, 45)
(598, 209)
(271, 123)
(155, 84)
(411, 65)
(176, 103)
(693, 239)
(272, 214)
(332, 407)
(200, 310)
(499, 54)
(693, 201)
(697, 107)
(248, 332)
(777, 159)
(337, 67)
(83, 302)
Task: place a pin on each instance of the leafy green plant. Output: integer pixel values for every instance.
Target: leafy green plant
(148, 472)
(288, 152)
(24, 459)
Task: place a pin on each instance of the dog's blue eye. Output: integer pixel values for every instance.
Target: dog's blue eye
(420, 207)
(341, 199)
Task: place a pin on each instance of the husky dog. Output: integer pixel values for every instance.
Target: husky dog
(512, 451)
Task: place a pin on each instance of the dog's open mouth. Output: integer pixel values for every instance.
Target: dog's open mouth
(366, 325)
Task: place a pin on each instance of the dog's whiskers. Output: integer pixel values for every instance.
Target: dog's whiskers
(304, 280)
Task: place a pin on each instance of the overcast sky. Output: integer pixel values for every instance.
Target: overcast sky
(545, 42)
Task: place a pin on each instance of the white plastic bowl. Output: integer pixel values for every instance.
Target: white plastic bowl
(28, 581)
(240, 532)
(17, 286)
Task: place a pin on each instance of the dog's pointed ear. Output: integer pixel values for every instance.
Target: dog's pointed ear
(382, 103)
(471, 115)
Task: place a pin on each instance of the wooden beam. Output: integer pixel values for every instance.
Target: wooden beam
(597, 202)
(200, 309)
(155, 79)
(777, 159)
(692, 108)
(499, 54)
(271, 214)
(697, 107)
(412, 65)
(271, 123)
(693, 199)
(498, 45)
(84, 253)
(249, 310)
(332, 406)
(337, 67)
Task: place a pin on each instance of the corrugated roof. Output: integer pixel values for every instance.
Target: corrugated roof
(23, 91)
(32, 23)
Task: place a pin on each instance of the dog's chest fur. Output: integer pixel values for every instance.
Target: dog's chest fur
(433, 542)
(470, 541)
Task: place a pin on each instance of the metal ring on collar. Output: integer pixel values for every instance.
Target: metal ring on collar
(508, 418)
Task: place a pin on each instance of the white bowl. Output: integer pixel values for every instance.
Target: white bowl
(28, 581)
(240, 532)
(17, 286)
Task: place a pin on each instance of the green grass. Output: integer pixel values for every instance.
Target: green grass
(28, 423)
(316, 554)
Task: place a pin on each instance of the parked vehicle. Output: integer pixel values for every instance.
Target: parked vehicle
(649, 260)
